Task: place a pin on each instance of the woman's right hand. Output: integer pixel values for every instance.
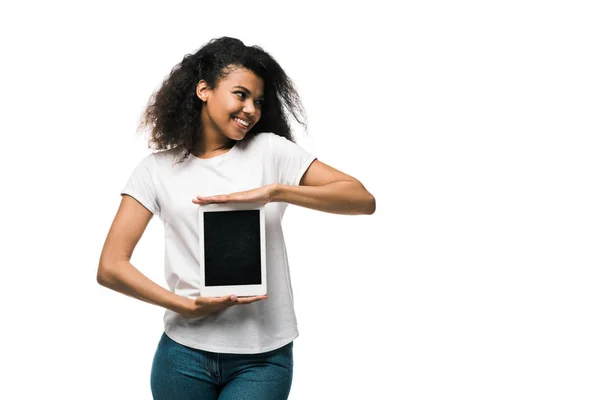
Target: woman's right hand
(203, 306)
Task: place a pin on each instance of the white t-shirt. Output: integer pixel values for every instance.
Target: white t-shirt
(166, 189)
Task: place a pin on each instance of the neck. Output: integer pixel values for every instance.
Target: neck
(213, 142)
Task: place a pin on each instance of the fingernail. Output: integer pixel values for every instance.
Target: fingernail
(233, 298)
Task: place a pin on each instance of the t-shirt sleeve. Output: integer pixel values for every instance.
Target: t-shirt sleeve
(291, 160)
(141, 185)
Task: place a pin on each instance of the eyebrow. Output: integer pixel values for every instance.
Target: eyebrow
(247, 91)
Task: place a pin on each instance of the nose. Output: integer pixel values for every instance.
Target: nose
(249, 108)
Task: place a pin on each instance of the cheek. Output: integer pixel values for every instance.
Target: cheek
(221, 108)
(217, 110)
(231, 108)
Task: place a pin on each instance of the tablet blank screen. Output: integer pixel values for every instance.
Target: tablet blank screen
(232, 248)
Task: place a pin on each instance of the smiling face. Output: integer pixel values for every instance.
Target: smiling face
(232, 108)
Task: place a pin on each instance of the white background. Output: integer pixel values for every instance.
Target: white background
(475, 125)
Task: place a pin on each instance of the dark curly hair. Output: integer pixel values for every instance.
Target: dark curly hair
(173, 111)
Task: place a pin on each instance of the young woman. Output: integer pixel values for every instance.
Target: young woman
(218, 120)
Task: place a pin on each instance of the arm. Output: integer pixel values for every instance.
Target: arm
(117, 273)
(324, 188)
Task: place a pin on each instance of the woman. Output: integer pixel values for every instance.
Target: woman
(218, 120)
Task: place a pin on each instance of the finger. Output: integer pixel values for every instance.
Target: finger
(217, 199)
(230, 298)
(252, 299)
(216, 300)
(204, 200)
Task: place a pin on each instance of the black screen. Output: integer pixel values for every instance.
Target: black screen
(232, 248)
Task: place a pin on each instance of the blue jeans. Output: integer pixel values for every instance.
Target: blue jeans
(181, 373)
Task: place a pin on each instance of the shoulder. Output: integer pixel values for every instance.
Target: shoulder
(275, 143)
(259, 142)
(163, 158)
(269, 137)
(262, 139)
(275, 139)
(284, 147)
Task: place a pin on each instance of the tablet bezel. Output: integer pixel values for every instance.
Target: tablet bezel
(238, 290)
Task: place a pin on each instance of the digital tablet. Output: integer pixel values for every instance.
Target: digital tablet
(232, 249)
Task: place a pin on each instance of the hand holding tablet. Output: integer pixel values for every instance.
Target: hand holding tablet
(203, 306)
(260, 196)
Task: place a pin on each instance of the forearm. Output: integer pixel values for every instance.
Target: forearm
(124, 278)
(342, 197)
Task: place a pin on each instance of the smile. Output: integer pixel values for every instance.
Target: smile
(241, 123)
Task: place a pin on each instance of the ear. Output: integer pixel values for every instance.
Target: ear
(202, 90)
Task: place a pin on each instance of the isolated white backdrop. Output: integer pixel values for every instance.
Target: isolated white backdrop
(474, 124)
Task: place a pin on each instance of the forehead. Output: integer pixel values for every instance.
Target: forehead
(245, 78)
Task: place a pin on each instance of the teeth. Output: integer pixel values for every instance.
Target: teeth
(241, 121)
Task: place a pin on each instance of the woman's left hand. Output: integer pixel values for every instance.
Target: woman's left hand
(261, 195)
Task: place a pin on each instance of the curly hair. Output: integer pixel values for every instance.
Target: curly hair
(173, 111)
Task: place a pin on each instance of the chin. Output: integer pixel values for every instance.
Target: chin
(238, 136)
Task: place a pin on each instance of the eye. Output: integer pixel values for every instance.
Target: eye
(241, 94)
(260, 102)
